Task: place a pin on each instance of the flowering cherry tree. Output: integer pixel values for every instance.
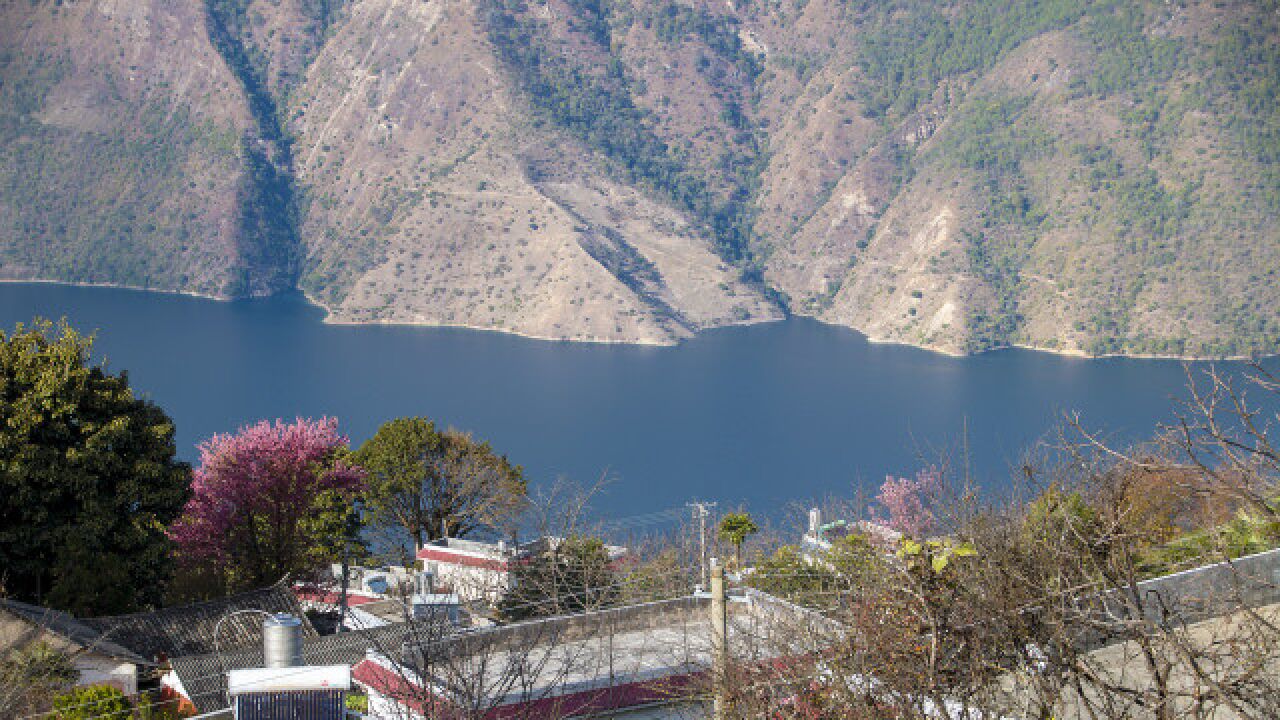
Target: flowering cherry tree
(910, 501)
(268, 500)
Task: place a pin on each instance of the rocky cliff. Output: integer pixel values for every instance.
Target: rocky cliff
(1095, 177)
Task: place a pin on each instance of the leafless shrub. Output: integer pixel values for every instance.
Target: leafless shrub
(32, 673)
(1043, 609)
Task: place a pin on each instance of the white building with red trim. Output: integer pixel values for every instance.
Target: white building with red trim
(481, 572)
(474, 571)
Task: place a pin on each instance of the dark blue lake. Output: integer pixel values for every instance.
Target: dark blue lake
(761, 415)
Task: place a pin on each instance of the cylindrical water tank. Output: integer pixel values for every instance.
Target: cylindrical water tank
(282, 641)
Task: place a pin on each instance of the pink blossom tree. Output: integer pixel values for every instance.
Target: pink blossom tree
(268, 500)
(910, 501)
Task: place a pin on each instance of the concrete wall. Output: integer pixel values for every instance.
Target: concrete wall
(1209, 591)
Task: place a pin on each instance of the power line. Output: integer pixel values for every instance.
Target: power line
(660, 517)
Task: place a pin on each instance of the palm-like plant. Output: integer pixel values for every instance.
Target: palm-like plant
(734, 528)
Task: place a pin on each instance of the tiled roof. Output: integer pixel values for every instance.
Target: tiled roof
(188, 629)
(71, 629)
(204, 676)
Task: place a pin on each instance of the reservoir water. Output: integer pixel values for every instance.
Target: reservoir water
(767, 415)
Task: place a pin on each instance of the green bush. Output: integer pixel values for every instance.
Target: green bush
(1059, 516)
(92, 702)
(358, 703)
(1243, 535)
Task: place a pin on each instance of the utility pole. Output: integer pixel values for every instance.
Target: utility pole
(352, 530)
(700, 511)
(346, 579)
(719, 639)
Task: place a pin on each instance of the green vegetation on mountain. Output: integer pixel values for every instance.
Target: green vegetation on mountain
(269, 214)
(1110, 169)
(592, 94)
(122, 153)
(1092, 177)
(910, 48)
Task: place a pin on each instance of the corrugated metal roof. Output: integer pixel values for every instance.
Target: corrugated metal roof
(204, 676)
(188, 629)
(73, 630)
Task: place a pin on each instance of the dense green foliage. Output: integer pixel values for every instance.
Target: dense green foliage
(1243, 535)
(424, 482)
(88, 478)
(735, 528)
(358, 702)
(92, 703)
(1061, 518)
(911, 47)
(820, 580)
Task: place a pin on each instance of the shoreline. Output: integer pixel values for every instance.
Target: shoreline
(329, 320)
(329, 315)
(119, 286)
(1074, 354)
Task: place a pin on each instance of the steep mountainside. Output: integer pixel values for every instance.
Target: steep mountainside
(1089, 176)
(123, 151)
(1075, 176)
(433, 196)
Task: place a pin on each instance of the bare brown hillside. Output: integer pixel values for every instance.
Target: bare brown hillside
(120, 163)
(1089, 177)
(433, 198)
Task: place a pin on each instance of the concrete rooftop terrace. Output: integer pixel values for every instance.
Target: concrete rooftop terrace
(639, 654)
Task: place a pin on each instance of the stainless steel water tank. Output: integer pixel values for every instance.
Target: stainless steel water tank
(282, 641)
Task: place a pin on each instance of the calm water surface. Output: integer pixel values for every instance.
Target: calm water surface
(762, 415)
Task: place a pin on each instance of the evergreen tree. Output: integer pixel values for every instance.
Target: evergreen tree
(88, 478)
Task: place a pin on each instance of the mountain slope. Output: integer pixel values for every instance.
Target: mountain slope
(1092, 177)
(119, 164)
(433, 197)
(1089, 178)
